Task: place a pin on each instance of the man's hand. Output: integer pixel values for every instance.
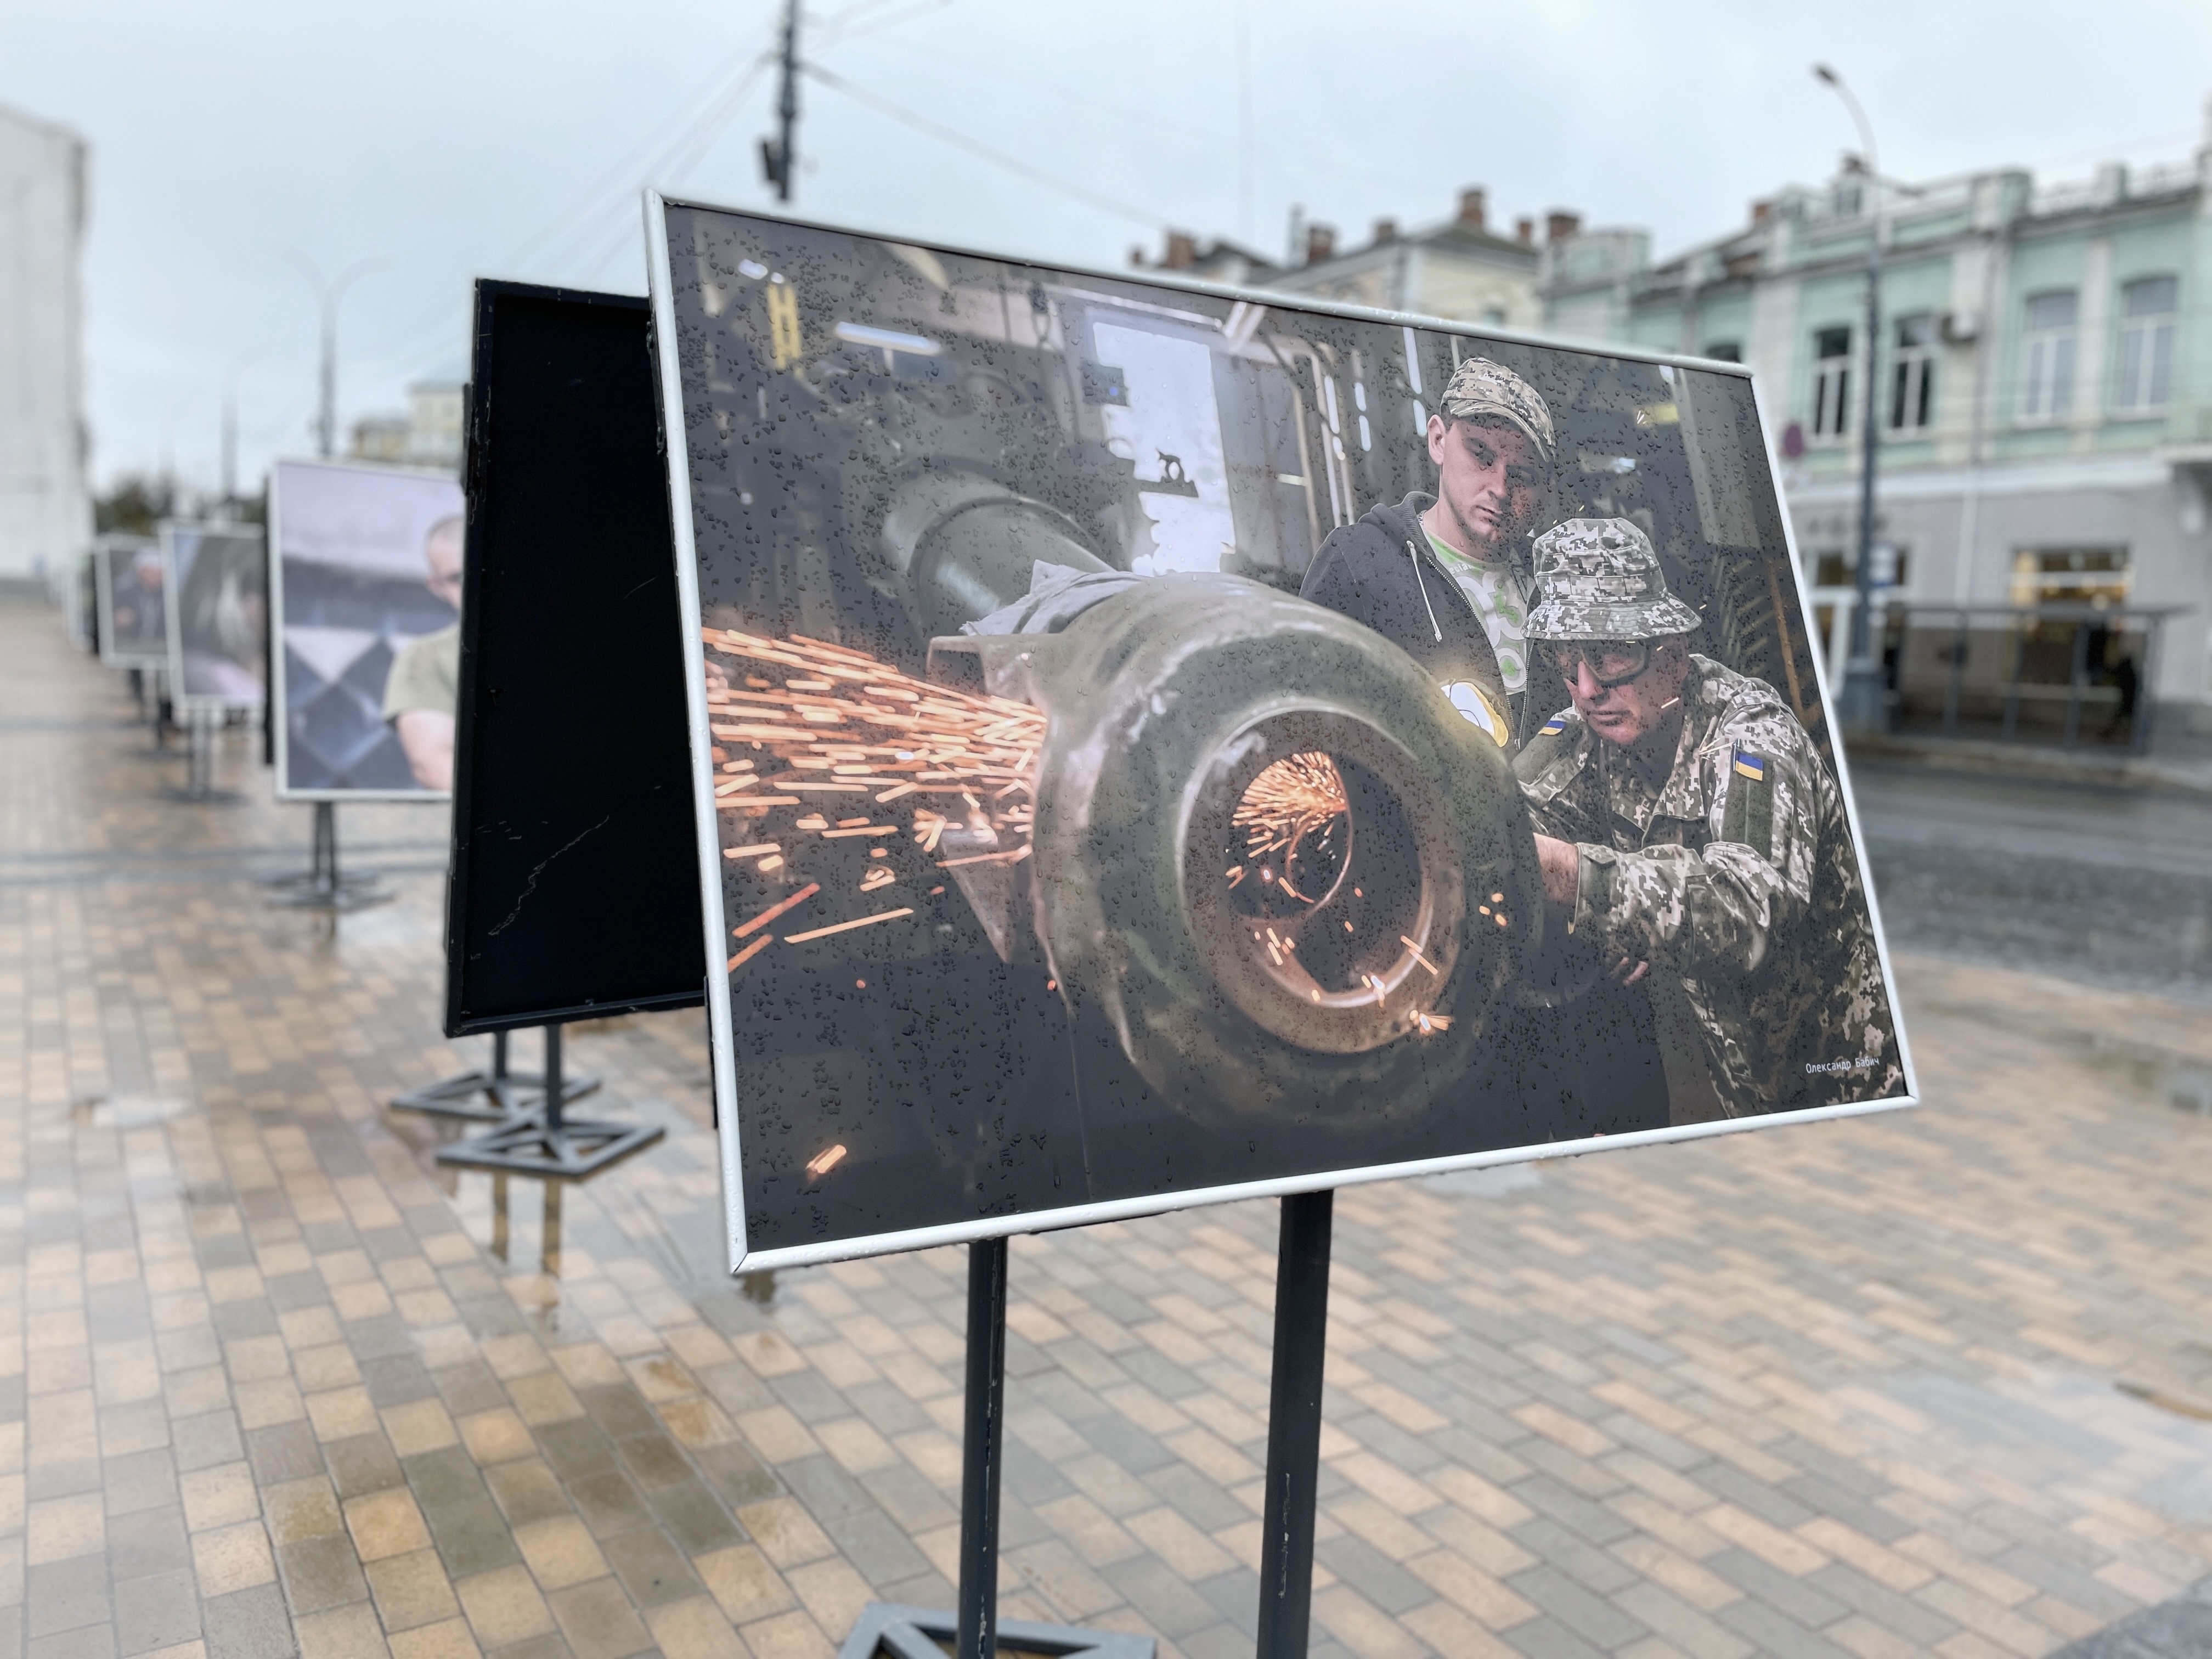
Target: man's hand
(1562, 868)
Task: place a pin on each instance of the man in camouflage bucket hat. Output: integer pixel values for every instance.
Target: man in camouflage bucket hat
(1687, 824)
(1445, 576)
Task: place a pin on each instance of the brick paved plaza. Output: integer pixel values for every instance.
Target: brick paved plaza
(272, 1381)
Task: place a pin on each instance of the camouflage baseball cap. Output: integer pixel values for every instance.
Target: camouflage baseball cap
(1480, 390)
(1598, 579)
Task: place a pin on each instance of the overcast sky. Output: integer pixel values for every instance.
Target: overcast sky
(464, 138)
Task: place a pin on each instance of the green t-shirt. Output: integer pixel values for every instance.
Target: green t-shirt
(1495, 592)
(425, 673)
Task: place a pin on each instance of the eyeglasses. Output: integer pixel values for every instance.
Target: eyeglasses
(1611, 662)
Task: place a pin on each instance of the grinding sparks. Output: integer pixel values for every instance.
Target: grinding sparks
(846, 926)
(834, 731)
(776, 910)
(1292, 799)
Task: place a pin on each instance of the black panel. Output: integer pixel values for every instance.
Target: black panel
(575, 881)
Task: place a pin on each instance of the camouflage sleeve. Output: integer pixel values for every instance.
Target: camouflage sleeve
(1713, 910)
(1546, 770)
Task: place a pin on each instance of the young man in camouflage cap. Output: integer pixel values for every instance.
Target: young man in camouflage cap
(1445, 576)
(1686, 824)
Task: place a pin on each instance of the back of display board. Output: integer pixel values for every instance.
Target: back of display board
(575, 888)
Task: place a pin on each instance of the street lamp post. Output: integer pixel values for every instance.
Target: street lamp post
(327, 295)
(1866, 695)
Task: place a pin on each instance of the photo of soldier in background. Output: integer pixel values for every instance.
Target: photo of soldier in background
(1445, 576)
(421, 694)
(1688, 828)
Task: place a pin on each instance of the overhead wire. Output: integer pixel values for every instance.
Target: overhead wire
(612, 196)
(673, 170)
(998, 158)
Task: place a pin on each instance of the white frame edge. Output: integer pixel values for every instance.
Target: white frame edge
(180, 701)
(279, 710)
(1081, 1215)
(103, 582)
(674, 435)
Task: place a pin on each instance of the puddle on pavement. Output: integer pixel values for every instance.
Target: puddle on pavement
(1494, 1182)
(2183, 1084)
(127, 1111)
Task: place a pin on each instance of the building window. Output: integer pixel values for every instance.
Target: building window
(2047, 383)
(2147, 319)
(1832, 382)
(1912, 381)
(2069, 576)
(1724, 351)
(1837, 567)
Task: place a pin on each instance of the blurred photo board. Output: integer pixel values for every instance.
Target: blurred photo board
(81, 610)
(1159, 745)
(216, 576)
(366, 577)
(575, 891)
(129, 602)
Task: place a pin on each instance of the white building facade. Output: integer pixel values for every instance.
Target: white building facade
(2044, 382)
(45, 504)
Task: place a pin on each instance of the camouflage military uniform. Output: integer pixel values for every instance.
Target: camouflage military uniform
(1738, 876)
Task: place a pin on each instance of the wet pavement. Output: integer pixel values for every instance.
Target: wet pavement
(2109, 885)
(272, 1381)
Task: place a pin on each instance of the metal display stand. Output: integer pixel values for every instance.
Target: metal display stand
(548, 1143)
(1286, 1541)
(512, 1094)
(888, 1630)
(200, 758)
(322, 888)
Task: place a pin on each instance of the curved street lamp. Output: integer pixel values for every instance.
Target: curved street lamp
(1866, 697)
(327, 295)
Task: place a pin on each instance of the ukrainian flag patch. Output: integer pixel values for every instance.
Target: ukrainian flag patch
(1553, 727)
(1748, 765)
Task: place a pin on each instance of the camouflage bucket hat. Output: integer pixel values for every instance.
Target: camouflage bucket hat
(1480, 390)
(1598, 579)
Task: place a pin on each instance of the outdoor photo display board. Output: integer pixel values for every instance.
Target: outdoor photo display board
(575, 885)
(131, 605)
(216, 577)
(367, 576)
(1134, 785)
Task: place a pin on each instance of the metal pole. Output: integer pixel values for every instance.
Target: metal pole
(2146, 672)
(2077, 673)
(327, 295)
(1865, 699)
(1958, 678)
(2019, 667)
(980, 1448)
(327, 404)
(553, 1090)
(230, 444)
(786, 104)
(1286, 1541)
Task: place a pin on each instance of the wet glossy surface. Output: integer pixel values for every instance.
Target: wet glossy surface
(272, 1382)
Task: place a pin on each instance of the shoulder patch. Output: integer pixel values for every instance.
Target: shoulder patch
(1747, 814)
(1553, 727)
